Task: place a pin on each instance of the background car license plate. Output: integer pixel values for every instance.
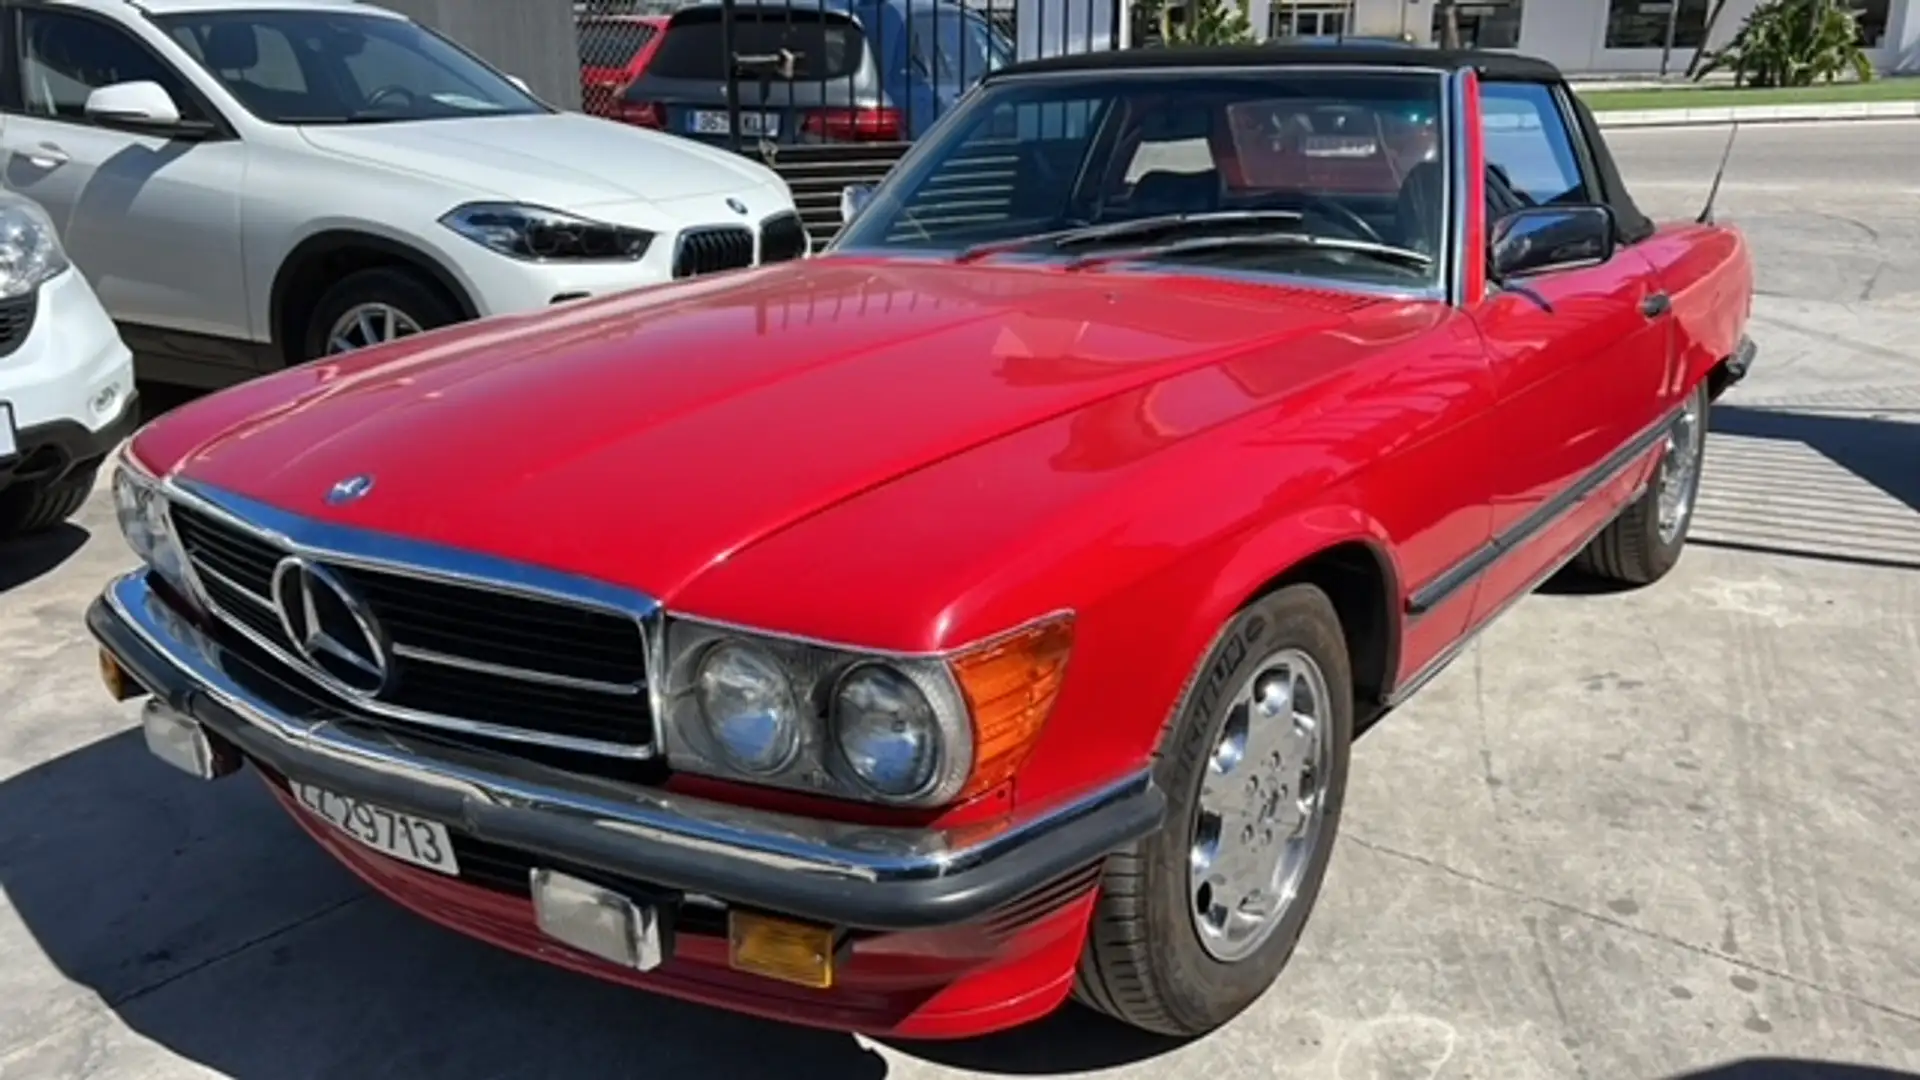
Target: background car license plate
(712, 122)
(8, 447)
(403, 836)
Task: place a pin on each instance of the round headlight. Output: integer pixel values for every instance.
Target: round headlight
(132, 504)
(886, 730)
(749, 707)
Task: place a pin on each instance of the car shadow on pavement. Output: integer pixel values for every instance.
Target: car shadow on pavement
(208, 924)
(32, 557)
(1794, 1069)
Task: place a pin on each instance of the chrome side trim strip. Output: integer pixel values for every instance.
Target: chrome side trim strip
(781, 842)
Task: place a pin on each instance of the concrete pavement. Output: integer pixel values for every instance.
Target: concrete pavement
(1659, 833)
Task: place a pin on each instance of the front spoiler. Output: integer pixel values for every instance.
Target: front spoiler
(879, 878)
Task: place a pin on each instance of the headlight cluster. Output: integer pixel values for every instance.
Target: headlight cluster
(900, 730)
(537, 234)
(144, 521)
(30, 251)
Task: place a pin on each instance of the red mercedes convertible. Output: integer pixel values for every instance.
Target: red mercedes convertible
(975, 615)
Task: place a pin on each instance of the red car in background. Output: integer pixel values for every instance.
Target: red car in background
(980, 613)
(614, 50)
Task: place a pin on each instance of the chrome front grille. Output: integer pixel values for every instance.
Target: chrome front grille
(464, 656)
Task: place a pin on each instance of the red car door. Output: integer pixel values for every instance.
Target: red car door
(1579, 359)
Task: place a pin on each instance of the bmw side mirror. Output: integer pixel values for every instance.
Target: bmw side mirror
(853, 199)
(1542, 238)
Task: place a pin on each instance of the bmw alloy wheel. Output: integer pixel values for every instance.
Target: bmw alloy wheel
(367, 324)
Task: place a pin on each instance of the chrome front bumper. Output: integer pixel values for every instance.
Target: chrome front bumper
(844, 874)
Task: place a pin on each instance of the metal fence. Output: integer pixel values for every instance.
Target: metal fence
(829, 92)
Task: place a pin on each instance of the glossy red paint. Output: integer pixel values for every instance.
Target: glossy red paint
(950, 983)
(913, 455)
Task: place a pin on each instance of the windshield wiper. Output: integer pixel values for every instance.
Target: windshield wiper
(1125, 230)
(1387, 253)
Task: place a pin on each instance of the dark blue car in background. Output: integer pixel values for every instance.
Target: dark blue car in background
(815, 71)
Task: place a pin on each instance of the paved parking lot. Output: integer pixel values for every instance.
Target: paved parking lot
(1663, 833)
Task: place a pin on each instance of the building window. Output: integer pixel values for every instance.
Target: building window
(1642, 24)
(1487, 24)
(1319, 20)
(1872, 18)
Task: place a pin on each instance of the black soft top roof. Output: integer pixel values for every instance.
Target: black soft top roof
(1503, 66)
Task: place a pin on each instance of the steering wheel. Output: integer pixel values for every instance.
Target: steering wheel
(392, 90)
(1347, 220)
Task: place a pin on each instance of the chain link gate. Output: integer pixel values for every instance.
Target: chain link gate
(827, 92)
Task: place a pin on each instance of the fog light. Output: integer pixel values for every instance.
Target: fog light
(599, 921)
(794, 952)
(120, 684)
(180, 741)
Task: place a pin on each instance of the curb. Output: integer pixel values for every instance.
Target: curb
(1757, 114)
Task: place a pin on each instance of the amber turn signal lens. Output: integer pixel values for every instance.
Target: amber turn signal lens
(118, 682)
(793, 952)
(1010, 686)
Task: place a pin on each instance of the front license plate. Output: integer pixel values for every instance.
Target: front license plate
(711, 122)
(9, 446)
(405, 837)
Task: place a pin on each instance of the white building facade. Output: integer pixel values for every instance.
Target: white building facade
(1579, 36)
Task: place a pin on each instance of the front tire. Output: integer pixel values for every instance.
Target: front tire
(36, 505)
(1641, 545)
(373, 307)
(1195, 922)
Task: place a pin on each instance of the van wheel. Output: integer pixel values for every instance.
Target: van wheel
(1645, 541)
(1195, 922)
(373, 307)
(37, 505)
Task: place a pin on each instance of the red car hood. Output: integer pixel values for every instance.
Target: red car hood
(643, 439)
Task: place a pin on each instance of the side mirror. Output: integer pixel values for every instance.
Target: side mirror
(1541, 238)
(137, 106)
(853, 199)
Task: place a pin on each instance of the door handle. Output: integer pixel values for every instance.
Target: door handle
(48, 156)
(1656, 305)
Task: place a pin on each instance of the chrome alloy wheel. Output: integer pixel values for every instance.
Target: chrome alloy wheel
(1261, 807)
(1679, 470)
(372, 323)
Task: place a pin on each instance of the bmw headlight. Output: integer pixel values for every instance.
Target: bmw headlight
(537, 234)
(30, 251)
(144, 521)
(885, 730)
(749, 707)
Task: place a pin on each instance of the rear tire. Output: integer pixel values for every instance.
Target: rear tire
(1160, 954)
(396, 303)
(36, 506)
(1641, 545)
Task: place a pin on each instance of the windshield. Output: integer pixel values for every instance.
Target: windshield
(325, 67)
(824, 44)
(1042, 167)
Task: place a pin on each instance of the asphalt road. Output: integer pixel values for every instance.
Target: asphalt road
(1649, 834)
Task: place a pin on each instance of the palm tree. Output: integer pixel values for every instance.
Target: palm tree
(1794, 43)
(1197, 22)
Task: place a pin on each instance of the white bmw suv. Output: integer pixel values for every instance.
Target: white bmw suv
(254, 183)
(66, 380)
